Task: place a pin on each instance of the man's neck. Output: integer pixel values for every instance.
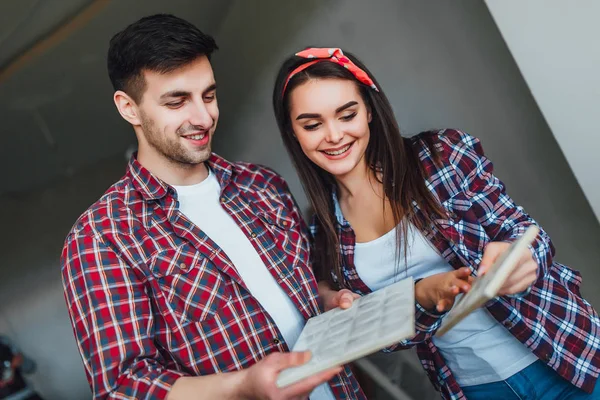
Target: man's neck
(172, 172)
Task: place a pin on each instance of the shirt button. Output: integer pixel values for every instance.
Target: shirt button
(285, 223)
(276, 341)
(253, 235)
(547, 357)
(182, 265)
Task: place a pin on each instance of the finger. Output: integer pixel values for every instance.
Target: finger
(465, 287)
(519, 281)
(344, 298)
(526, 264)
(346, 301)
(522, 273)
(490, 254)
(335, 301)
(526, 255)
(530, 267)
(305, 386)
(282, 361)
(443, 305)
(452, 290)
(519, 286)
(446, 297)
(461, 285)
(462, 272)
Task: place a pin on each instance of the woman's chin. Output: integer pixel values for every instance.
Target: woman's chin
(340, 170)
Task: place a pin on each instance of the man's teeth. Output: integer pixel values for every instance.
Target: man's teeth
(338, 152)
(196, 137)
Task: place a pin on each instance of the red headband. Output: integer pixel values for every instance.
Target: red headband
(334, 55)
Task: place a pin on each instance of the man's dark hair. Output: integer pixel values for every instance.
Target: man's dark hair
(159, 43)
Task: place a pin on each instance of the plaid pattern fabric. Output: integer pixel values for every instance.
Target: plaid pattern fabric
(551, 318)
(152, 298)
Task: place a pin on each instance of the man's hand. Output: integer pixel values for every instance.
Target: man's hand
(259, 381)
(524, 274)
(336, 298)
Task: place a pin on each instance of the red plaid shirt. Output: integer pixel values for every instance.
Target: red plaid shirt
(550, 318)
(152, 298)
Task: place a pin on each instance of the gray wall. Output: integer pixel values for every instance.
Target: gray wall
(443, 64)
(32, 306)
(568, 88)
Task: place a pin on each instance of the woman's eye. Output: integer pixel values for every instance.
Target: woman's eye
(349, 116)
(312, 127)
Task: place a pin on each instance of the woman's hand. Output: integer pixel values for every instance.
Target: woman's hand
(524, 274)
(439, 290)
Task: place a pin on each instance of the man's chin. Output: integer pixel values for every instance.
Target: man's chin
(195, 159)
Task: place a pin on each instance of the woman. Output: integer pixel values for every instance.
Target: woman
(387, 207)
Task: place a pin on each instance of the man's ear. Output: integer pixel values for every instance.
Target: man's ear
(127, 107)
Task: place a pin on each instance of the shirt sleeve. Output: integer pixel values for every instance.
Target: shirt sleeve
(502, 219)
(112, 320)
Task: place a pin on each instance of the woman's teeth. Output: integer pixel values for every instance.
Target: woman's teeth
(338, 152)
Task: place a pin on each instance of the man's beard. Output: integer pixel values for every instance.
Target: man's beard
(171, 148)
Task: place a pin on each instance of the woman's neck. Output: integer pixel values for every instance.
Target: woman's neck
(359, 182)
(364, 205)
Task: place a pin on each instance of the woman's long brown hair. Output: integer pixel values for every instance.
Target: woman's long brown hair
(391, 157)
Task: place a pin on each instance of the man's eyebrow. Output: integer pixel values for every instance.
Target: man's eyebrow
(210, 88)
(175, 93)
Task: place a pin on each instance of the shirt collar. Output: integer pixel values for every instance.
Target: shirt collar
(152, 188)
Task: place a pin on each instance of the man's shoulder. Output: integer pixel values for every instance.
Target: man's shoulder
(258, 177)
(113, 209)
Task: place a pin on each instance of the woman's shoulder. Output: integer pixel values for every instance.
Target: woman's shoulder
(440, 138)
(448, 158)
(447, 147)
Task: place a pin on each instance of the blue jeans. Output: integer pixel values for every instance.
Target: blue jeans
(536, 382)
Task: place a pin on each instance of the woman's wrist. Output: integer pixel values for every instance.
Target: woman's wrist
(421, 295)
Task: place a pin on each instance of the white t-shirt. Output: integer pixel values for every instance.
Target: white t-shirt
(200, 204)
(472, 348)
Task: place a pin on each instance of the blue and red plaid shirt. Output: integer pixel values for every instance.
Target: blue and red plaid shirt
(152, 298)
(550, 318)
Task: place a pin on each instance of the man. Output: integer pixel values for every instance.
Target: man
(189, 278)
